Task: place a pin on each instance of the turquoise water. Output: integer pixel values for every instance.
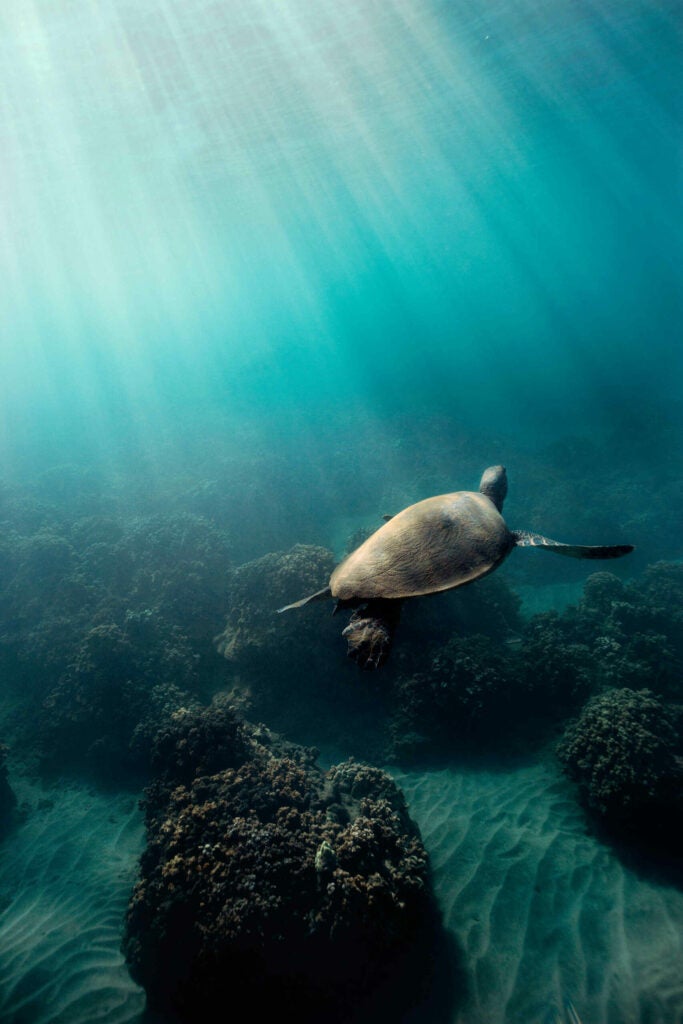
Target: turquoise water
(291, 208)
(290, 265)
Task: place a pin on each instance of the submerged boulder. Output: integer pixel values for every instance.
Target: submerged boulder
(466, 692)
(634, 629)
(625, 752)
(253, 633)
(266, 879)
(120, 687)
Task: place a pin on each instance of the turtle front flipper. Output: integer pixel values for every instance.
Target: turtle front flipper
(370, 632)
(524, 539)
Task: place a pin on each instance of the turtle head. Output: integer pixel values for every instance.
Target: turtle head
(494, 484)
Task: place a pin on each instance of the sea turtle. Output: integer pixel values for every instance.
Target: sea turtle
(437, 544)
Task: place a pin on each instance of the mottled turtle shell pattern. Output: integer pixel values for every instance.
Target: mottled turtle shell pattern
(436, 544)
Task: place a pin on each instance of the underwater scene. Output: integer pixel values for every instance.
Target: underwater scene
(341, 491)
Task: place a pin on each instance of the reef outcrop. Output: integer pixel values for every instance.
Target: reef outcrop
(625, 751)
(253, 633)
(107, 627)
(267, 879)
(467, 684)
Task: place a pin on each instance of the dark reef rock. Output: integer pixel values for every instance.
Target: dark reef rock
(601, 591)
(197, 741)
(558, 668)
(466, 690)
(635, 629)
(526, 676)
(486, 607)
(267, 881)
(106, 626)
(178, 565)
(625, 751)
(107, 705)
(253, 633)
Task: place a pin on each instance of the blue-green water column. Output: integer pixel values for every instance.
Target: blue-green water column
(301, 205)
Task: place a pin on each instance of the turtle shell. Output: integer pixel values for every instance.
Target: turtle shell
(436, 544)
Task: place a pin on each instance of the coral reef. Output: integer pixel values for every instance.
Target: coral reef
(467, 689)
(620, 634)
(634, 629)
(106, 626)
(626, 753)
(110, 601)
(266, 879)
(115, 691)
(177, 565)
(253, 632)
(196, 741)
(488, 607)
(557, 666)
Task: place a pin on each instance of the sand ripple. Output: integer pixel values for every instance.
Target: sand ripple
(542, 911)
(65, 878)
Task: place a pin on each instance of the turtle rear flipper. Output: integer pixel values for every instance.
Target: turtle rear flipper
(319, 595)
(370, 633)
(524, 539)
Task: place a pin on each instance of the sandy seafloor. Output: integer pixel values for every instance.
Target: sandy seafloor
(540, 909)
(65, 878)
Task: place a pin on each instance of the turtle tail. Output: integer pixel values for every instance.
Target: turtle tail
(524, 539)
(319, 595)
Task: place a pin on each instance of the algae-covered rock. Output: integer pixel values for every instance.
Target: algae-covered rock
(266, 879)
(467, 689)
(122, 684)
(253, 631)
(625, 751)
